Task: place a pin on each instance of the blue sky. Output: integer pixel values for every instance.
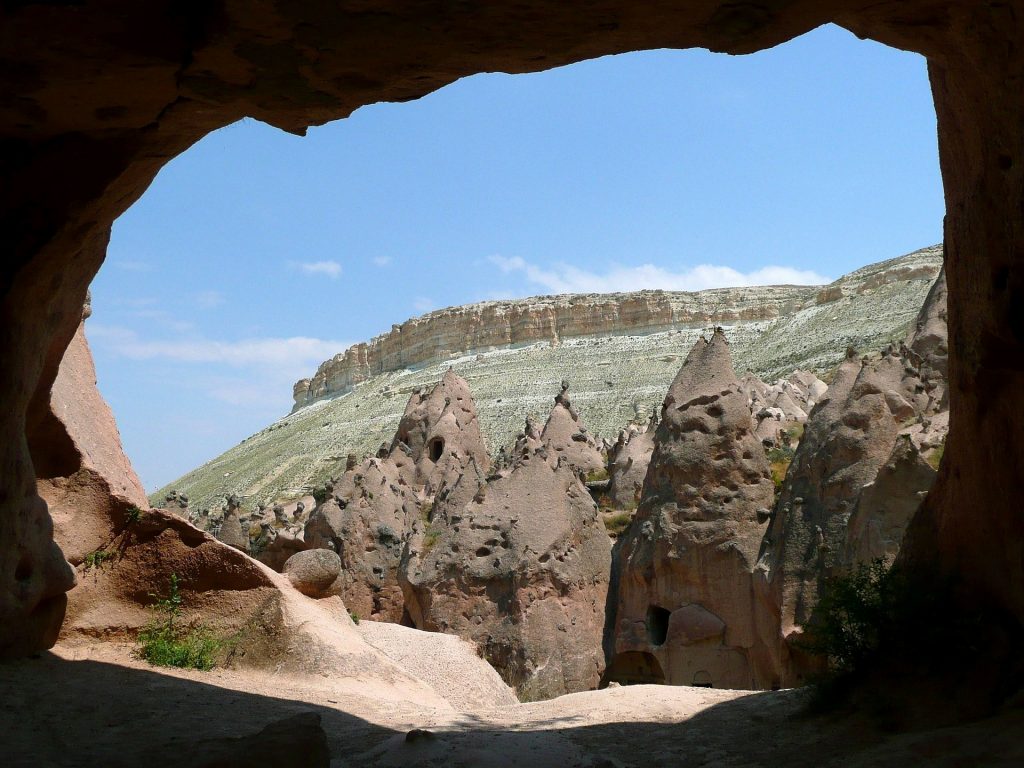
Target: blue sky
(257, 254)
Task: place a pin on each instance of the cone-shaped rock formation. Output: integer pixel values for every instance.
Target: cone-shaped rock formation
(688, 602)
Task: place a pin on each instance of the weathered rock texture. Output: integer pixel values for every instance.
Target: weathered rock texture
(566, 437)
(690, 600)
(83, 472)
(518, 565)
(144, 82)
(627, 464)
(366, 521)
(615, 379)
(441, 434)
(859, 474)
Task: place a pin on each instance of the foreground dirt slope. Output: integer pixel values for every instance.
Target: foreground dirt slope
(113, 711)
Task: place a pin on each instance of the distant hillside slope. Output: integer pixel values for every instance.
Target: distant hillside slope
(618, 351)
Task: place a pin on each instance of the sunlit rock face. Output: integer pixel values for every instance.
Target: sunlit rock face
(616, 378)
(690, 599)
(366, 521)
(862, 468)
(441, 434)
(518, 564)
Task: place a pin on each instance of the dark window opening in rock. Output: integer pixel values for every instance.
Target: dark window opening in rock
(436, 448)
(635, 668)
(702, 679)
(657, 624)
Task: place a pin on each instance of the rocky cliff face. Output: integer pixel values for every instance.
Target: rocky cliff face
(486, 326)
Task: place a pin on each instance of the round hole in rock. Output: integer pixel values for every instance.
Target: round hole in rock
(657, 624)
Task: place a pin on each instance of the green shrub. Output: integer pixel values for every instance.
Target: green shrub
(133, 515)
(164, 644)
(848, 621)
(188, 648)
(354, 616)
(97, 558)
(779, 460)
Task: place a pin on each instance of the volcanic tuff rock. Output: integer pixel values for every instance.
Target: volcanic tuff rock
(616, 378)
(627, 464)
(313, 571)
(140, 86)
(366, 521)
(858, 475)
(517, 564)
(688, 592)
(441, 434)
(566, 438)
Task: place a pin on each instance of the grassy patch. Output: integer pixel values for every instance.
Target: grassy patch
(426, 508)
(934, 459)
(165, 643)
(97, 558)
(597, 475)
(616, 524)
(430, 538)
(779, 460)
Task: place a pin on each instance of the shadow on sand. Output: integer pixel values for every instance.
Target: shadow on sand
(57, 712)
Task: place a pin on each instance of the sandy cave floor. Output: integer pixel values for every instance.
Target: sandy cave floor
(96, 705)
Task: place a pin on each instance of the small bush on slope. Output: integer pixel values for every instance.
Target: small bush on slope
(165, 644)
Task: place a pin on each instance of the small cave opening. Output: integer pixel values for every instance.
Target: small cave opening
(657, 624)
(634, 668)
(435, 449)
(702, 679)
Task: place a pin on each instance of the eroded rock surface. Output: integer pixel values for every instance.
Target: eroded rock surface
(689, 597)
(861, 470)
(366, 521)
(441, 434)
(518, 565)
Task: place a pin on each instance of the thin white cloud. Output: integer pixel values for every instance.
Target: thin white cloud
(331, 269)
(565, 278)
(209, 299)
(381, 261)
(297, 352)
(423, 304)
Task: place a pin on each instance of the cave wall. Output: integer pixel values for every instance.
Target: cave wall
(99, 94)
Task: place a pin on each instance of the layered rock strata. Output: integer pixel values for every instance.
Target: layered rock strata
(690, 603)
(486, 326)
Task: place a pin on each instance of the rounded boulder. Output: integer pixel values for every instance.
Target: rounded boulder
(313, 571)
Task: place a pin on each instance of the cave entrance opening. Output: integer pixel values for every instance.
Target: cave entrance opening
(657, 624)
(436, 449)
(635, 668)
